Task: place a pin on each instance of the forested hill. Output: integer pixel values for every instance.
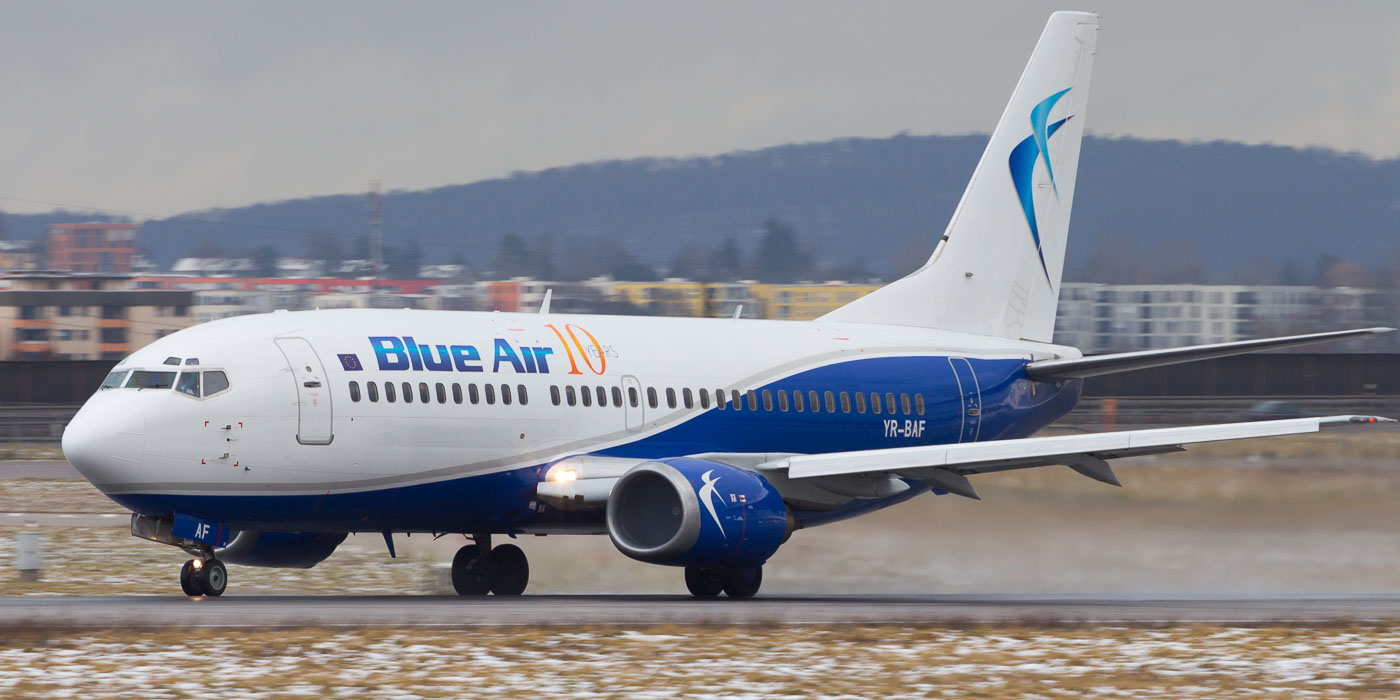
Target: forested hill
(1210, 209)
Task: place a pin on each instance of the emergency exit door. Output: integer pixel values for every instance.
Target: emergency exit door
(313, 391)
(632, 400)
(971, 399)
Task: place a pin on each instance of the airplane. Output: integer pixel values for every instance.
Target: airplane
(702, 444)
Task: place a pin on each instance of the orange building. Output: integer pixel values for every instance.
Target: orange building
(93, 247)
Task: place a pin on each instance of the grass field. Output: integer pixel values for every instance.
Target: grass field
(840, 662)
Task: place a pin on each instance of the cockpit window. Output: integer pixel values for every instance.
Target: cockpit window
(215, 382)
(115, 379)
(188, 384)
(147, 379)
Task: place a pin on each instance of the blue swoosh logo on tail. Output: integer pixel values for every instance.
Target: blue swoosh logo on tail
(1022, 162)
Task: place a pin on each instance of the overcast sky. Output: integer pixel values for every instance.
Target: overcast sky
(159, 107)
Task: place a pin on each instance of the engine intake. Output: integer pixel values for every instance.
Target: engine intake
(283, 550)
(694, 512)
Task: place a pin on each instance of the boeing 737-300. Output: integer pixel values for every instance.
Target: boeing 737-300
(702, 444)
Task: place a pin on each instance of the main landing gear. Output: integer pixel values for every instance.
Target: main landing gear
(199, 577)
(479, 569)
(733, 581)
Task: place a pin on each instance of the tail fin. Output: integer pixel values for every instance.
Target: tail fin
(997, 269)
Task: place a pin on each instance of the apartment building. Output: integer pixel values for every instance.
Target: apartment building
(93, 247)
(80, 317)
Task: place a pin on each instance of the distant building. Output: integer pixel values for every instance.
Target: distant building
(16, 256)
(671, 297)
(98, 247)
(214, 267)
(804, 302)
(77, 317)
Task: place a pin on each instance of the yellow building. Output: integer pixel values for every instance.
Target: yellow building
(666, 298)
(803, 302)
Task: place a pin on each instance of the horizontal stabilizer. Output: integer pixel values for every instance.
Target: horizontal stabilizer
(1094, 365)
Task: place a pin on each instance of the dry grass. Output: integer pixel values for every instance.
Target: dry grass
(709, 661)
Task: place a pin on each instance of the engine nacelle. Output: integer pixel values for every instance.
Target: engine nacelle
(283, 550)
(694, 512)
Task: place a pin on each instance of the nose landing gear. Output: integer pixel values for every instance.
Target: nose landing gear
(201, 577)
(477, 569)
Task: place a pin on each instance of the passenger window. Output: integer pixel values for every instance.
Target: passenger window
(875, 403)
(719, 399)
(602, 396)
(782, 401)
(734, 401)
(688, 398)
(569, 392)
(860, 403)
(797, 403)
(521, 395)
(389, 392)
(671, 397)
(441, 393)
(407, 392)
(814, 402)
(423, 393)
(919, 403)
(632, 396)
(617, 397)
(586, 395)
(373, 390)
(767, 400)
(114, 380)
(704, 398)
(554, 395)
(753, 400)
(904, 403)
(505, 394)
(845, 402)
(490, 390)
(188, 384)
(473, 395)
(889, 403)
(355, 392)
(651, 396)
(830, 402)
(456, 393)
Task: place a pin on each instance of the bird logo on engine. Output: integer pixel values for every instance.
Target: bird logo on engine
(707, 496)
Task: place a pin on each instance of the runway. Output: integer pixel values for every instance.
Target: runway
(453, 611)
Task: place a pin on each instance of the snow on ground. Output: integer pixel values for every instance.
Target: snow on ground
(708, 662)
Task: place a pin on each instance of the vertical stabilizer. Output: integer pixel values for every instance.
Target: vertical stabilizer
(996, 270)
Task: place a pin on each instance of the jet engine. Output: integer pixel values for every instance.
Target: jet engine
(283, 550)
(694, 512)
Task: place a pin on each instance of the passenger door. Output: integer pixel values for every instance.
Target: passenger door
(971, 399)
(313, 393)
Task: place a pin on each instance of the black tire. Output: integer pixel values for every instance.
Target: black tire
(189, 582)
(703, 582)
(509, 570)
(469, 572)
(743, 581)
(213, 578)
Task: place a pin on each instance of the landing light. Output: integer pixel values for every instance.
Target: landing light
(197, 564)
(566, 475)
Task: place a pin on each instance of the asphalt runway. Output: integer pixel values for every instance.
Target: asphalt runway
(452, 611)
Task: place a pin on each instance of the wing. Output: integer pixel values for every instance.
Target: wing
(947, 467)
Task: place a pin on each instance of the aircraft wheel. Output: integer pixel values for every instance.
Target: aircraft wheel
(212, 577)
(743, 581)
(703, 582)
(509, 570)
(189, 581)
(469, 572)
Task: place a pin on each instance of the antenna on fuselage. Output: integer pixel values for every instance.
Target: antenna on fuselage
(738, 311)
(544, 305)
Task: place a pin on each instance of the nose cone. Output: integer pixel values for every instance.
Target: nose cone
(106, 440)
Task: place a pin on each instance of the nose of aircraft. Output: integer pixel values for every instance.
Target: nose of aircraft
(106, 440)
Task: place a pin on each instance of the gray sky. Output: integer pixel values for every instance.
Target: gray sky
(162, 107)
